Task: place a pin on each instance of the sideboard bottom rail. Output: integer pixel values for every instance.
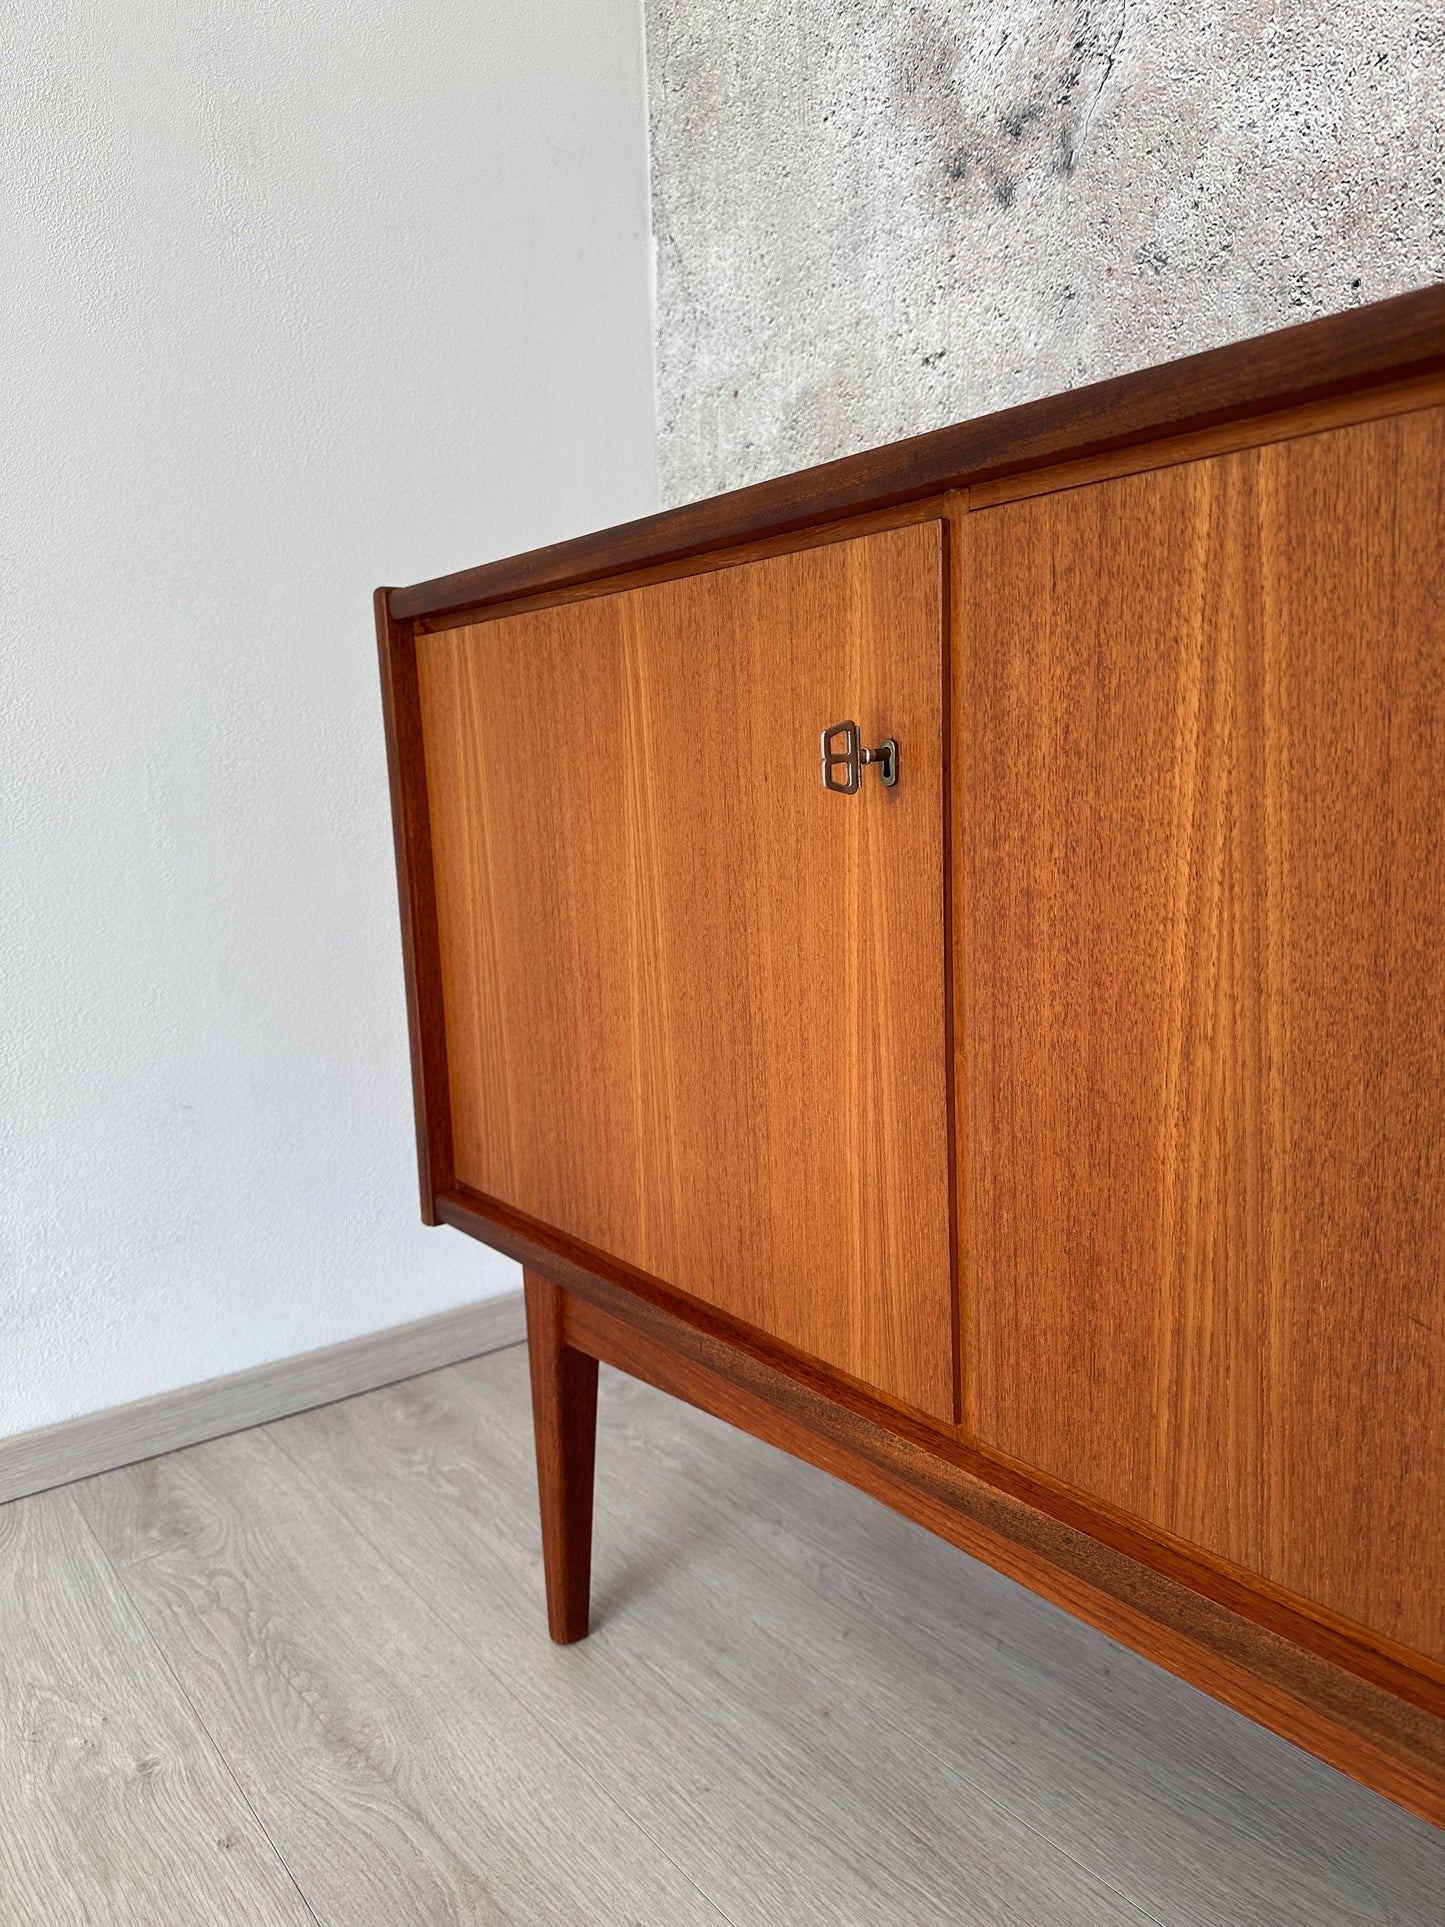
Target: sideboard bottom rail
(1378, 1738)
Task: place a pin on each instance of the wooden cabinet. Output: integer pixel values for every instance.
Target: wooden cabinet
(1052, 1143)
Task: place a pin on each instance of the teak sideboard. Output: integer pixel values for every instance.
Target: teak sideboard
(939, 960)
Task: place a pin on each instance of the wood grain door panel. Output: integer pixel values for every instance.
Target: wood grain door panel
(1200, 914)
(695, 1004)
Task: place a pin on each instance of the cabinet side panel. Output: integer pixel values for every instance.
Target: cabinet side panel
(1202, 809)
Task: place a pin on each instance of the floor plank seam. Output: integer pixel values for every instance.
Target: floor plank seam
(460, 1632)
(164, 1657)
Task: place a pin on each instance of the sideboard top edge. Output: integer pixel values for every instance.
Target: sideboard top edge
(1361, 348)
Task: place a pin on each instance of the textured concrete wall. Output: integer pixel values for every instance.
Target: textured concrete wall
(872, 219)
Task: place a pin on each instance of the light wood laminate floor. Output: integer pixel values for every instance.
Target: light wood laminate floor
(301, 1675)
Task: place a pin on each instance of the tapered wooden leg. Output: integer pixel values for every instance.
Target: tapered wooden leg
(564, 1416)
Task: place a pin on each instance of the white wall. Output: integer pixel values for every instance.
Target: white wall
(302, 296)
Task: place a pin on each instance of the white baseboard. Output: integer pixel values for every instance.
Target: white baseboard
(100, 1441)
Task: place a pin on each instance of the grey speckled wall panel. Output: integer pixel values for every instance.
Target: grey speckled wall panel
(875, 218)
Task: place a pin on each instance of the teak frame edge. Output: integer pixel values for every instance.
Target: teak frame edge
(416, 891)
(1052, 1509)
(1360, 348)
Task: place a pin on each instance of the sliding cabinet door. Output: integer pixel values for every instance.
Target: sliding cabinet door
(695, 1001)
(1201, 936)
